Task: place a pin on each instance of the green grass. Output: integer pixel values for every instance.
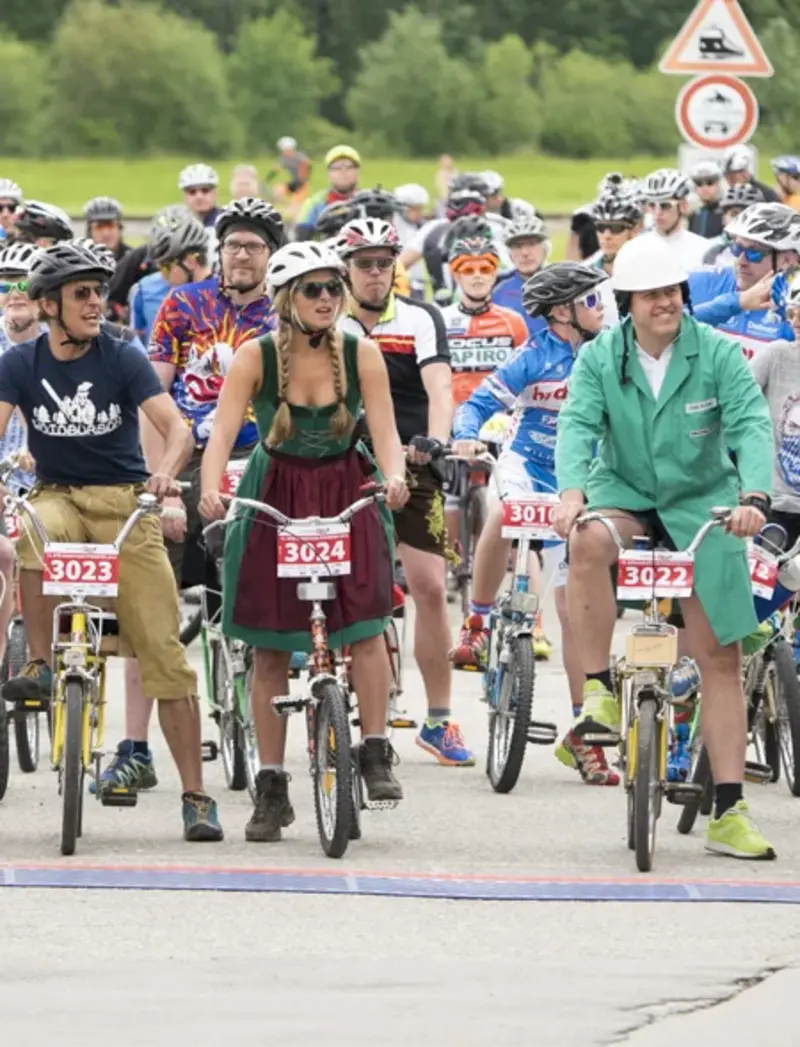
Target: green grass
(554, 185)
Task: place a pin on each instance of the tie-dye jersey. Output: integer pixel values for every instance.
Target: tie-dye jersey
(198, 329)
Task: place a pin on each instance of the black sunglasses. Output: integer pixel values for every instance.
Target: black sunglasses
(706, 181)
(312, 289)
(365, 264)
(611, 227)
(8, 208)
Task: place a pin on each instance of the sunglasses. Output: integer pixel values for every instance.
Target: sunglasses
(665, 205)
(312, 289)
(752, 254)
(8, 208)
(7, 286)
(85, 292)
(589, 301)
(705, 181)
(476, 269)
(615, 228)
(200, 189)
(365, 264)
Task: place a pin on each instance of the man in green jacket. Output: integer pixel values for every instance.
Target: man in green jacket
(668, 398)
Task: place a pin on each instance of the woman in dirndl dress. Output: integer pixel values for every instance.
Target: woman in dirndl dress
(307, 383)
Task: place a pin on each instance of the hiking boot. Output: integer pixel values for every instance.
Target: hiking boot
(472, 644)
(375, 760)
(272, 810)
(128, 770)
(588, 760)
(34, 682)
(200, 819)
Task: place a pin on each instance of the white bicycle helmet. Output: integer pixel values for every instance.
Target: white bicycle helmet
(287, 142)
(197, 175)
(297, 259)
(665, 184)
(526, 227)
(738, 158)
(16, 259)
(705, 171)
(412, 195)
(773, 225)
(362, 233)
(10, 190)
(493, 181)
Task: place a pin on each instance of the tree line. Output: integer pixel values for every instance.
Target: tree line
(574, 78)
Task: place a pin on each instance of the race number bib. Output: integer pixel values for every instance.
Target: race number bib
(232, 475)
(645, 573)
(13, 526)
(314, 550)
(529, 517)
(71, 568)
(763, 571)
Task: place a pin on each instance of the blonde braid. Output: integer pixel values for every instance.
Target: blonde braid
(282, 424)
(341, 421)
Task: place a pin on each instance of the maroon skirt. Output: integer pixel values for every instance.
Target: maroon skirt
(302, 487)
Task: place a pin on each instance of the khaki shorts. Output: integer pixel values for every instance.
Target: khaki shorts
(147, 605)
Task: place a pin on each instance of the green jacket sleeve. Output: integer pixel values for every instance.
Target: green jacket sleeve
(581, 423)
(746, 419)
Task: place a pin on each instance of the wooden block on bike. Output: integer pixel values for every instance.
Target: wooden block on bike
(652, 649)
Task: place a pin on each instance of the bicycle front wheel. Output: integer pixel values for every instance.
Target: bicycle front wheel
(646, 783)
(26, 724)
(229, 740)
(787, 700)
(72, 767)
(333, 770)
(510, 718)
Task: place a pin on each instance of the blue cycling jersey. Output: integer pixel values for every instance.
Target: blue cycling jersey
(508, 293)
(715, 301)
(534, 384)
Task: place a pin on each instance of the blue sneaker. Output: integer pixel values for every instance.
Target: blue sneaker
(128, 770)
(446, 742)
(200, 819)
(684, 679)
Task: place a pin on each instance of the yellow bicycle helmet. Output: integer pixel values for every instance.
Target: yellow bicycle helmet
(342, 152)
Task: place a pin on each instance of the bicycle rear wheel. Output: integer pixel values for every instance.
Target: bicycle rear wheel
(26, 724)
(229, 740)
(333, 770)
(72, 767)
(646, 785)
(510, 719)
(700, 804)
(787, 700)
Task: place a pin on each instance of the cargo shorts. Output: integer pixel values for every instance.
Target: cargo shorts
(147, 604)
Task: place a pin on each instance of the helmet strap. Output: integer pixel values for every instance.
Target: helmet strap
(586, 336)
(70, 340)
(474, 306)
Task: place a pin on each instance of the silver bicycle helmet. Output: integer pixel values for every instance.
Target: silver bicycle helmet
(64, 263)
(665, 184)
(176, 238)
(254, 214)
(16, 259)
(526, 227)
(9, 190)
(37, 219)
(102, 209)
(196, 175)
(773, 225)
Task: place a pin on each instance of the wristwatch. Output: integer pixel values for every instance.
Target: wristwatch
(757, 501)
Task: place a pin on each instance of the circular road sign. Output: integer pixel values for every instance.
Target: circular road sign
(716, 111)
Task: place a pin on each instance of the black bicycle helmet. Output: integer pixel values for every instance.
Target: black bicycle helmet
(332, 219)
(37, 219)
(373, 203)
(559, 284)
(102, 209)
(173, 241)
(617, 207)
(105, 254)
(473, 229)
(64, 263)
(741, 196)
(254, 214)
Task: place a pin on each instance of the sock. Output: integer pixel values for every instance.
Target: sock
(277, 767)
(437, 717)
(726, 796)
(368, 737)
(604, 677)
(483, 609)
(141, 749)
(576, 711)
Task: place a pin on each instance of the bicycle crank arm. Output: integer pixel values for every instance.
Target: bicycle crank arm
(210, 751)
(542, 733)
(758, 773)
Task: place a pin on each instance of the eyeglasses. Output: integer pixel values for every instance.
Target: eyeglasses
(6, 286)
(365, 264)
(199, 189)
(706, 181)
(476, 269)
(752, 254)
(233, 247)
(589, 301)
(344, 165)
(85, 292)
(615, 228)
(9, 208)
(312, 289)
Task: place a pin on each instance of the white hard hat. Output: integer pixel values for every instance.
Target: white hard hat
(412, 195)
(645, 264)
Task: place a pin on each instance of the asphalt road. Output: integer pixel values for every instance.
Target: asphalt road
(398, 943)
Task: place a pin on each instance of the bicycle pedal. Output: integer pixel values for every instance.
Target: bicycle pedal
(467, 668)
(118, 796)
(32, 705)
(604, 739)
(542, 733)
(403, 723)
(210, 751)
(757, 773)
(379, 805)
(289, 703)
(681, 793)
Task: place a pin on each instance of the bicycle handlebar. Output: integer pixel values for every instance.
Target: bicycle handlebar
(719, 516)
(285, 521)
(146, 504)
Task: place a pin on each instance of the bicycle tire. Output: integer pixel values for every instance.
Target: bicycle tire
(5, 750)
(252, 762)
(645, 814)
(788, 695)
(26, 724)
(771, 740)
(71, 767)
(521, 671)
(701, 775)
(332, 732)
(229, 732)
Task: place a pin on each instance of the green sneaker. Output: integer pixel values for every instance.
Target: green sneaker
(200, 819)
(600, 713)
(736, 835)
(563, 755)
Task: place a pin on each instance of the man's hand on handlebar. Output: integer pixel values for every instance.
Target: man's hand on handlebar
(567, 512)
(745, 521)
(162, 486)
(211, 506)
(397, 493)
(423, 449)
(469, 449)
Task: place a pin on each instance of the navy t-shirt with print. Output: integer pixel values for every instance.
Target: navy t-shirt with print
(82, 414)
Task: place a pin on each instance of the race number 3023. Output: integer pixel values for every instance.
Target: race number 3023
(530, 516)
(645, 573)
(316, 550)
(80, 567)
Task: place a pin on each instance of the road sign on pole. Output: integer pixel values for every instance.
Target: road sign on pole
(717, 37)
(716, 112)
